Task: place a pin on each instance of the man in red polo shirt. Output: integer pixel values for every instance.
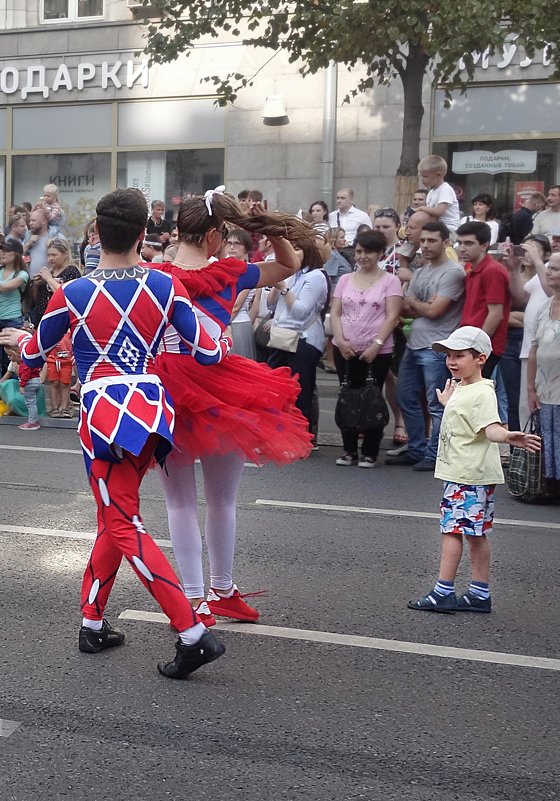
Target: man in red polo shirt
(487, 295)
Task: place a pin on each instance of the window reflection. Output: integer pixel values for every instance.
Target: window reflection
(173, 174)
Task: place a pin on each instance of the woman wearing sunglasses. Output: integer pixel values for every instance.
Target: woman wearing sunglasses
(388, 222)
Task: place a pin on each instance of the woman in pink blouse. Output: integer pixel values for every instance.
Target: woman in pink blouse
(365, 308)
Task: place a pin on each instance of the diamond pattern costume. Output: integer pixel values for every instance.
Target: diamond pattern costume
(117, 319)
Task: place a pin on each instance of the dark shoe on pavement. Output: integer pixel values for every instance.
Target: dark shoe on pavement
(190, 657)
(472, 603)
(433, 602)
(403, 458)
(426, 466)
(347, 460)
(91, 641)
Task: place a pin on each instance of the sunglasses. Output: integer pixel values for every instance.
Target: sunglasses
(386, 213)
(541, 238)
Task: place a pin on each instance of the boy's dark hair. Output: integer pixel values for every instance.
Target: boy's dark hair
(437, 227)
(372, 241)
(238, 235)
(479, 230)
(27, 205)
(121, 219)
(256, 195)
(243, 195)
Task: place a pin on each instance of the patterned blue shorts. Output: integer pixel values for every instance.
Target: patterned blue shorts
(467, 509)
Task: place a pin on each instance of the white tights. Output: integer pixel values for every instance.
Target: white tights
(222, 475)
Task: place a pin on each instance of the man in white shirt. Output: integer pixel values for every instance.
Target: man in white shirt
(348, 216)
(549, 220)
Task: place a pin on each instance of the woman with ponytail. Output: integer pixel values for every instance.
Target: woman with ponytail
(223, 417)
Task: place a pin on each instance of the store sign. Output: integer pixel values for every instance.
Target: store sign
(146, 171)
(35, 81)
(522, 191)
(473, 161)
(510, 55)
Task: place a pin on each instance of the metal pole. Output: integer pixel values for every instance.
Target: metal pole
(328, 147)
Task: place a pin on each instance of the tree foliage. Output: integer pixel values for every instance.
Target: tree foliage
(388, 40)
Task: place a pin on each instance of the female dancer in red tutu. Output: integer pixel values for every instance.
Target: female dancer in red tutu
(242, 411)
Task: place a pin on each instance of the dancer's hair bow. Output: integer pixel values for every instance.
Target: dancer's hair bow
(209, 194)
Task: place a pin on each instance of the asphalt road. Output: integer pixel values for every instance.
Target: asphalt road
(279, 718)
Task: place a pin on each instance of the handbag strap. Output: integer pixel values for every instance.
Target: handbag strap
(370, 379)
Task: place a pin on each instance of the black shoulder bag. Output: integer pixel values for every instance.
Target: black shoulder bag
(361, 408)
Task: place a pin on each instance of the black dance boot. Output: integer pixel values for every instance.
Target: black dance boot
(91, 641)
(190, 657)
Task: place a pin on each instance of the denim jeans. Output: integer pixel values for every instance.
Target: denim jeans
(421, 372)
(30, 392)
(510, 368)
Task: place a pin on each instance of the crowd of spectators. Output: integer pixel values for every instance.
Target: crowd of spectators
(392, 282)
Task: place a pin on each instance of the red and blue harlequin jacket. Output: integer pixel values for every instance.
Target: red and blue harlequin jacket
(117, 319)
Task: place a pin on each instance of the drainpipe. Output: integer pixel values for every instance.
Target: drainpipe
(328, 147)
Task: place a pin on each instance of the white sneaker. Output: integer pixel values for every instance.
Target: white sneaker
(397, 451)
(367, 461)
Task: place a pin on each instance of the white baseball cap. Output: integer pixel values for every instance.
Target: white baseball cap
(465, 338)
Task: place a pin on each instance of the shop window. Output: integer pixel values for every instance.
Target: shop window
(504, 187)
(173, 174)
(82, 178)
(87, 125)
(71, 9)
(2, 185)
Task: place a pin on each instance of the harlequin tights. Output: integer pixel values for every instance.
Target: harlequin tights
(120, 532)
(222, 475)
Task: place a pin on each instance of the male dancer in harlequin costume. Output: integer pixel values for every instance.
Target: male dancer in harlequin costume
(117, 315)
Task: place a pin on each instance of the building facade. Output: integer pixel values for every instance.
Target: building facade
(81, 107)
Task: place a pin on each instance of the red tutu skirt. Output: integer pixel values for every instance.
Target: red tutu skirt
(237, 406)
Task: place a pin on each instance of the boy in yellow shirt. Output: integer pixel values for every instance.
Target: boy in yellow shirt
(468, 461)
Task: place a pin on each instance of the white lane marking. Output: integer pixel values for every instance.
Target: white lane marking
(376, 643)
(62, 534)
(8, 727)
(367, 510)
(36, 450)
(67, 450)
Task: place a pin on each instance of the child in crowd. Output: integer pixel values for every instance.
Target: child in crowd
(29, 386)
(59, 373)
(441, 200)
(468, 461)
(50, 202)
(92, 251)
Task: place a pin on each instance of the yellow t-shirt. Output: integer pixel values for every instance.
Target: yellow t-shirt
(465, 456)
